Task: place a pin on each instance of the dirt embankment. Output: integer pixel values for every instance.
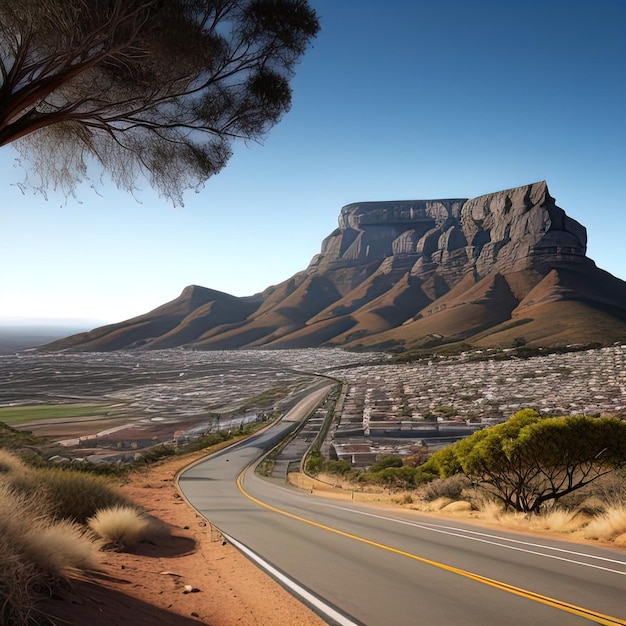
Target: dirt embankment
(192, 577)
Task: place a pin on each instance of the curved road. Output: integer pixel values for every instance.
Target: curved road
(375, 566)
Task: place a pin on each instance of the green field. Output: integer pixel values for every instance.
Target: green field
(30, 413)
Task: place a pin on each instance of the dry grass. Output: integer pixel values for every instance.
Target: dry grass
(10, 463)
(19, 577)
(41, 538)
(593, 518)
(61, 548)
(123, 526)
(36, 553)
(607, 526)
(69, 495)
(490, 510)
(556, 520)
(585, 515)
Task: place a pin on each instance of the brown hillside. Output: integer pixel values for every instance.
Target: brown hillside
(466, 310)
(158, 322)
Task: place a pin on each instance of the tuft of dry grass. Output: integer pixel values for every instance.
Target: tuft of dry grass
(607, 526)
(490, 510)
(556, 520)
(123, 526)
(10, 462)
(61, 548)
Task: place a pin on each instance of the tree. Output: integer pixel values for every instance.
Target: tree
(159, 88)
(530, 460)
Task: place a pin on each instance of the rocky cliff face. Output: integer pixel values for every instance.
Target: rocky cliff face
(507, 231)
(496, 270)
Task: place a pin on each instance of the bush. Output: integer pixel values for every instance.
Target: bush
(423, 476)
(451, 488)
(338, 467)
(156, 453)
(531, 461)
(315, 463)
(396, 477)
(383, 461)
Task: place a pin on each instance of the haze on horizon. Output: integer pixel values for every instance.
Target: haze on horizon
(395, 100)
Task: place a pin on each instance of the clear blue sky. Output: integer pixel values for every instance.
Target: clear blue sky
(395, 100)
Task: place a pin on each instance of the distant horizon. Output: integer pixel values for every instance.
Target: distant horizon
(52, 323)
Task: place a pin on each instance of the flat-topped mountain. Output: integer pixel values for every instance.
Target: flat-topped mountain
(494, 271)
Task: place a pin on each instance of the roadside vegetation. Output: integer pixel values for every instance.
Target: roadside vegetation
(43, 536)
(562, 474)
(55, 519)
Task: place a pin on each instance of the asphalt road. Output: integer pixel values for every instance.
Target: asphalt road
(392, 568)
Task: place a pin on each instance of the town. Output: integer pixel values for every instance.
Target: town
(171, 395)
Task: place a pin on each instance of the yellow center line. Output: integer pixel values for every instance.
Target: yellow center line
(599, 618)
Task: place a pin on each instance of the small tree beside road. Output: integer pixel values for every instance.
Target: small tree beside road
(529, 460)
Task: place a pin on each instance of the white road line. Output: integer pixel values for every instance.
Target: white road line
(459, 532)
(297, 589)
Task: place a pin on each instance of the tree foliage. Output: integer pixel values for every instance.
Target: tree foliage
(159, 88)
(530, 460)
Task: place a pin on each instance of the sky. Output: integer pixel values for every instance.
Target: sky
(395, 99)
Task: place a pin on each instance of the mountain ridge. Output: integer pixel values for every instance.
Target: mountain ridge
(405, 274)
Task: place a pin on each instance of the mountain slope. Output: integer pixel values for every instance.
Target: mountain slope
(498, 270)
(181, 317)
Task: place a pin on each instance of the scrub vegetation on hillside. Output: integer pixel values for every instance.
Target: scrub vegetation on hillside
(55, 519)
(44, 531)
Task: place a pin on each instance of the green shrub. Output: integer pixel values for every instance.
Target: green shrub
(12, 438)
(156, 453)
(397, 477)
(315, 463)
(383, 461)
(338, 467)
(423, 476)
